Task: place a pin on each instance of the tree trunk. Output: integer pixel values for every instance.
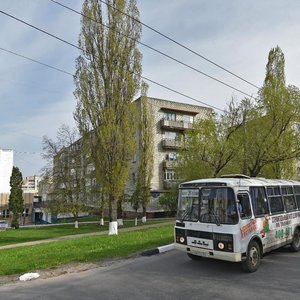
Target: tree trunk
(144, 219)
(102, 218)
(120, 213)
(113, 228)
(113, 224)
(76, 220)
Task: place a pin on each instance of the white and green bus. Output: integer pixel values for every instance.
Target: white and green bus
(237, 218)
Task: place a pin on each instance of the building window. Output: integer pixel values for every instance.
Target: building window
(5, 213)
(170, 116)
(188, 119)
(25, 212)
(88, 182)
(133, 178)
(90, 168)
(171, 135)
(134, 159)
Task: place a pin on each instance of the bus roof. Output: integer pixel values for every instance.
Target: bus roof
(238, 181)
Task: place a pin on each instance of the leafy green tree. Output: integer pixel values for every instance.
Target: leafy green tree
(145, 167)
(107, 80)
(168, 201)
(209, 148)
(67, 170)
(269, 127)
(15, 200)
(256, 137)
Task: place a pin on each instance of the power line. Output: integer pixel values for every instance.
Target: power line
(79, 48)
(177, 43)
(182, 94)
(26, 152)
(145, 78)
(155, 50)
(39, 29)
(36, 61)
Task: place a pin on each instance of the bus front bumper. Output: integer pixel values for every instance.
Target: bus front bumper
(228, 256)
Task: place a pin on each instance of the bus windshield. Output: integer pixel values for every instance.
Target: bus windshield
(208, 205)
(188, 205)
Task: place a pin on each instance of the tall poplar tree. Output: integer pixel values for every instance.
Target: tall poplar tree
(256, 137)
(15, 200)
(145, 168)
(269, 128)
(107, 80)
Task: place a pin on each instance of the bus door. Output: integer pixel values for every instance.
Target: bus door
(248, 226)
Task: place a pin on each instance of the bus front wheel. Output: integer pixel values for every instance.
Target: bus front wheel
(252, 261)
(295, 245)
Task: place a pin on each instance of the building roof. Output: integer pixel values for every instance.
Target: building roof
(165, 104)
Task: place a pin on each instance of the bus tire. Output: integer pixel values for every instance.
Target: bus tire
(295, 245)
(252, 261)
(193, 257)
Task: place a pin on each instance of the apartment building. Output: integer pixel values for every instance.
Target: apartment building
(6, 165)
(30, 184)
(171, 121)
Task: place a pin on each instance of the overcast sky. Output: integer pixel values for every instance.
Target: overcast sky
(236, 34)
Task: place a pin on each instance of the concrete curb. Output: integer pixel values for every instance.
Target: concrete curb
(158, 250)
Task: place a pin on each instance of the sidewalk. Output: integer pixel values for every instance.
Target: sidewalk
(66, 237)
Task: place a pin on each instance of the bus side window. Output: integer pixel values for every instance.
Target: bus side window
(276, 204)
(259, 201)
(297, 194)
(289, 202)
(244, 205)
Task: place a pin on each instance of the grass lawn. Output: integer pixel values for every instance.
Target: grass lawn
(21, 235)
(84, 249)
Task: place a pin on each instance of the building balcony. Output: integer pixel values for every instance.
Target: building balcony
(175, 125)
(169, 164)
(37, 204)
(171, 183)
(171, 144)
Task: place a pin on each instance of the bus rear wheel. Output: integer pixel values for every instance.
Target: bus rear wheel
(252, 261)
(295, 245)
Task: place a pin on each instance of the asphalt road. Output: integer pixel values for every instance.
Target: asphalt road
(170, 275)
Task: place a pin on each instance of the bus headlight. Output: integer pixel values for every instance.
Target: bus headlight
(223, 242)
(221, 245)
(180, 235)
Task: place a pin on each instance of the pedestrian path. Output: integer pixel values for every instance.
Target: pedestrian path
(66, 237)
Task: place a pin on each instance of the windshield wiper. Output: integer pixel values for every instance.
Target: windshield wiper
(217, 219)
(187, 213)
